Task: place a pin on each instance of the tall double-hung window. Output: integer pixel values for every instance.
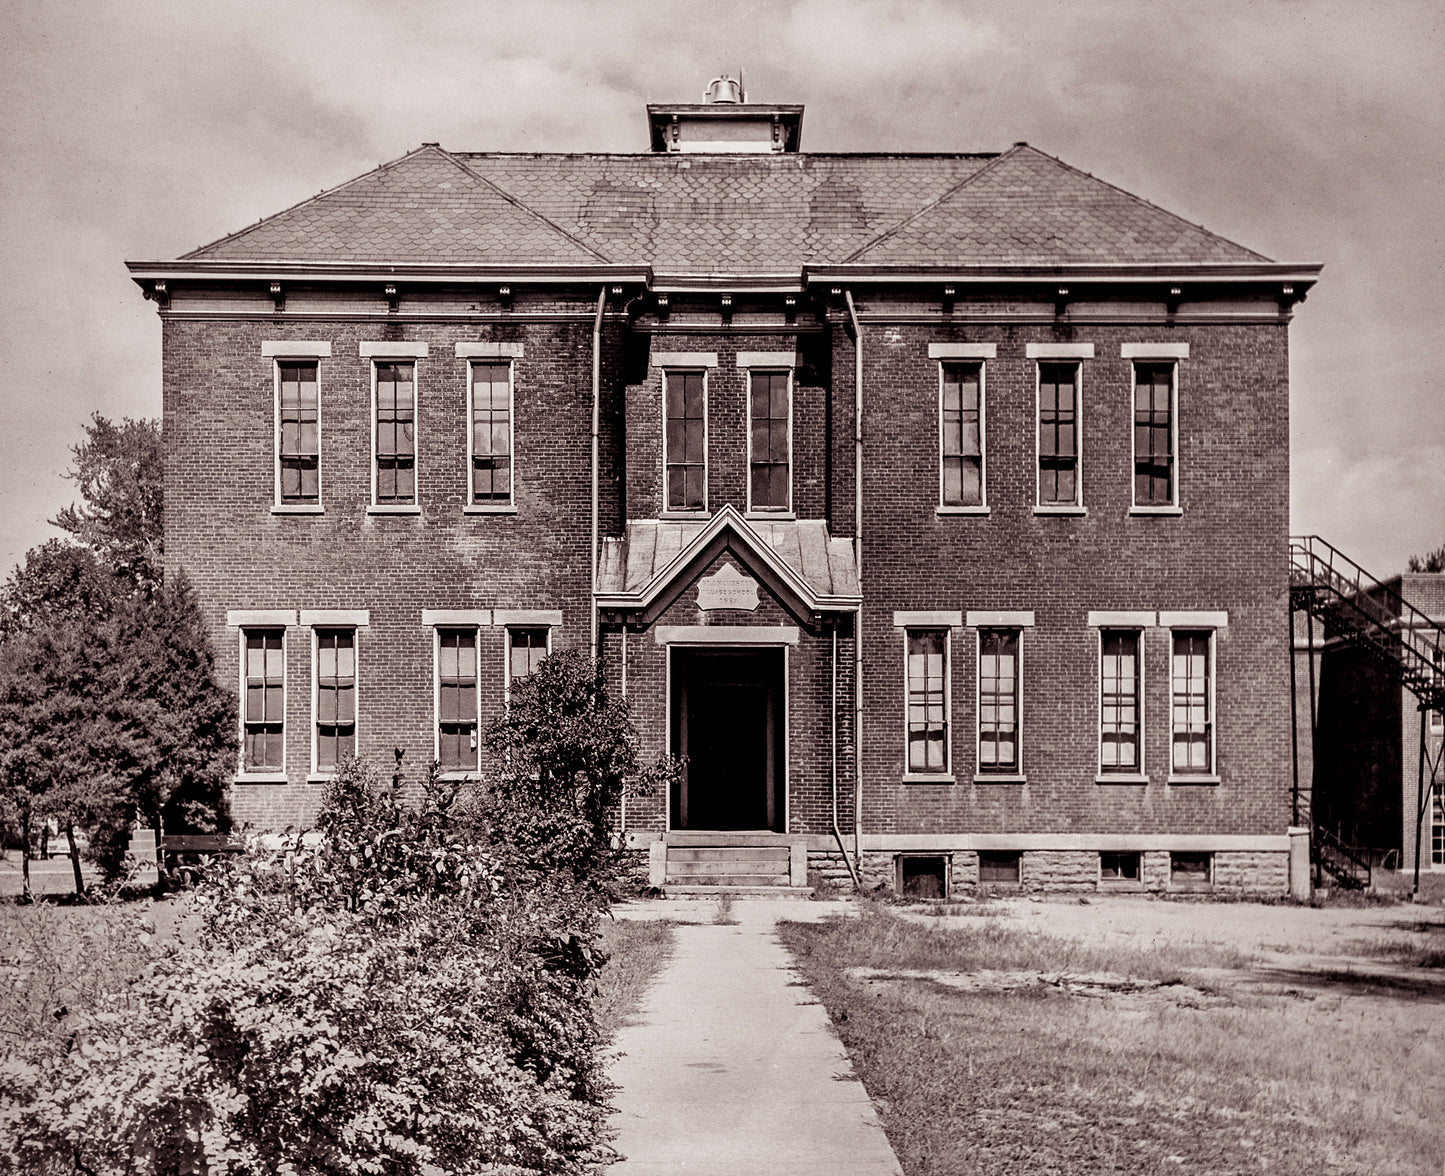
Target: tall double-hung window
(1192, 702)
(490, 439)
(263, 684)
(457, 704)
(770, 443)
(1120, 706)
(961, 434)
(999, 717)
(335, 667)
(395, 433)
(1154, 438)
(685, 440)
(296, 373)
(1058, 447)
(928, 742)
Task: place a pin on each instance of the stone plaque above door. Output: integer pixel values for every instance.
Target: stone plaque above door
(727, 588)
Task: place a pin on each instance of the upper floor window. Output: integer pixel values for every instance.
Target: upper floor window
(770, 441)
(264, 685)
(961, 434)
(927, 734)
(457, 699)
(1192, 702)
(1154, 434)
(1058, 452)
(685, 440)
(335, 735)
(395, 433)
(1119, 719)
(491, 433)
(298, 433)
(998, 701)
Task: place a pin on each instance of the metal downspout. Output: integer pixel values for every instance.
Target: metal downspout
(858, 564)
(596, 427)
(838, 833)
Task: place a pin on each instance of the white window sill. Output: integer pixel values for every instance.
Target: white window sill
(297, 508)
(394, 508)
(962, 510)
(459, 774)
(999, 778)
(684, 514)
(1156, 510)
(487, 508)
(1200, 779)
(771, 516)
(928, 778)
(261, 778)
(1120, 778)
(1061, 510)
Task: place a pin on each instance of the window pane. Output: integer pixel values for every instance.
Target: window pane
(1191, 720)
(998, 700)
(927, 700)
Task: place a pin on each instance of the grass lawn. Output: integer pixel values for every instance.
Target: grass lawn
(636, 950)
(990, 1048)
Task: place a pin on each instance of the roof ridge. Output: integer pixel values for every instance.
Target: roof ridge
(381, 167)
(932, 204)
(510, 199)
(1148, 203)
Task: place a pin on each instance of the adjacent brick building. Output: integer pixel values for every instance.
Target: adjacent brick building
(933, 506)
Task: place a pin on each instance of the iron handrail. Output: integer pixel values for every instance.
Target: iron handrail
(1389, 622)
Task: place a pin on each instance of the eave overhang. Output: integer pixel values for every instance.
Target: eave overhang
(1091, 273)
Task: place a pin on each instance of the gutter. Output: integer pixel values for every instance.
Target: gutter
(858, 564)
(837, 833)
(596, 422)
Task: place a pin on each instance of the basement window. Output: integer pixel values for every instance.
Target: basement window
(923, 875)
(1119, 867)
(999, 866)
(1191, 871)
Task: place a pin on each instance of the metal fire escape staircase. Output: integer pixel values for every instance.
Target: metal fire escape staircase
(1358, 609)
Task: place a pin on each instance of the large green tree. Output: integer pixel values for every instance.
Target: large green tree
(118, 469)
(109, 708)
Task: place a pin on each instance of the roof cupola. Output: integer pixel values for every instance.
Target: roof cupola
(725, 122)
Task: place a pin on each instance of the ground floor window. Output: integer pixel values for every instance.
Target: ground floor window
(1437, 825)
(265, 691)
(923, 875)
(1119, 702)
(525, 650)
(335, 697)
(928, 700)
(1192, 694)
(457, 699)
(998, 700)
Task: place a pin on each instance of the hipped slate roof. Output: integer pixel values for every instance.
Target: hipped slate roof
(727, 214)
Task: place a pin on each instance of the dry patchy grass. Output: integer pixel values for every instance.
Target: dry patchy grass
(1038, 1079)
(636, 951)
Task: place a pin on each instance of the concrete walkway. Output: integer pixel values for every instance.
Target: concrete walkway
(731, 1066)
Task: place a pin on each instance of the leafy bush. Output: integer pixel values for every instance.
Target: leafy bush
(402, 994)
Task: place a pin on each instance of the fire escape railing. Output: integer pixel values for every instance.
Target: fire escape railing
(1360, 610)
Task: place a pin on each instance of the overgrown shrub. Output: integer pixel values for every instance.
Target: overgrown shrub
(400, 995)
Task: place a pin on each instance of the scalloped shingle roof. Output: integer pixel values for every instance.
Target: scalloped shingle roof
(727, 214)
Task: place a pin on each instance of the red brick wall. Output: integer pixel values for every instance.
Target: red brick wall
(218, 393)
(1225, 552)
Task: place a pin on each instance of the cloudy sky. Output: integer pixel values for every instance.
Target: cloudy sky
(1310, 131)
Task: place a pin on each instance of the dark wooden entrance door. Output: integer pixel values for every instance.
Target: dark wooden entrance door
(727, 725)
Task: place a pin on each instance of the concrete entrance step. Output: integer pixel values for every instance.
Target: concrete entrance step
(732, 890)
(741, 853)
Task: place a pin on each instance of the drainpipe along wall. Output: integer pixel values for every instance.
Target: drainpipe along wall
(858, 563)
(838, 833)
(596, 425)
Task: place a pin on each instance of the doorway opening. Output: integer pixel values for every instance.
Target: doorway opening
(729, 727)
